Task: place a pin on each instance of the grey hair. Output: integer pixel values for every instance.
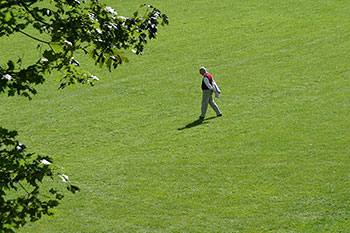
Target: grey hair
(203, 68)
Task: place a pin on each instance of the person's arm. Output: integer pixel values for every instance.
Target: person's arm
(206, 81)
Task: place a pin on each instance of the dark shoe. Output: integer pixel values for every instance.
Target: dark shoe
(201, 118)
(219, 115)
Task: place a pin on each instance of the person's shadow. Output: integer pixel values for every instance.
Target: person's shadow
(196, 123)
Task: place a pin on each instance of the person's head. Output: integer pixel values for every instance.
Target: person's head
(202, 70)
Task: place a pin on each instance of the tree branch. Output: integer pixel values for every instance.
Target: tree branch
(12, 3)
(24, 188)
(34, 38)
(21, 3)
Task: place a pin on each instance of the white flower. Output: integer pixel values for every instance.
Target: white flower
(111, 10)
(99, 31)
(68, 43)
(7, 77)
(63, 177)
(92, 17)
(74, 62)
(20, 147)
(44, 161)
(94, 77)
(114, 25)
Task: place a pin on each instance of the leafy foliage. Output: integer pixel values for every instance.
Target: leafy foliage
(63, 29)
(21, 170)
(93, 28)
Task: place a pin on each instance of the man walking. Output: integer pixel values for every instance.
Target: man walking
(208, 87)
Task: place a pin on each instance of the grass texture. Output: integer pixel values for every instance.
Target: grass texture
(277, 161)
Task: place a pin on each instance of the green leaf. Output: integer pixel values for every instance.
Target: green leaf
(57, 47)
(8, 16)
(109, 63)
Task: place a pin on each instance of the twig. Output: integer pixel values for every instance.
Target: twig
(24, 188)
(34, 38)
(21, 3)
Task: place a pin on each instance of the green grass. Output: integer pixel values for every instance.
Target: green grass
(277, 161)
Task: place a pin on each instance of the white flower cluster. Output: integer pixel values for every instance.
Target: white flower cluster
(44, 161)
(7, 77)
(111, 10)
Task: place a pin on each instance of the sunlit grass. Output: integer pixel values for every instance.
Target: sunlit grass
(277, 161)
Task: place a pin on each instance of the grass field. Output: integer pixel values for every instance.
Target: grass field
(277, 161)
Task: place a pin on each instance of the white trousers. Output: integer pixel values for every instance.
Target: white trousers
(207, 98)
